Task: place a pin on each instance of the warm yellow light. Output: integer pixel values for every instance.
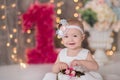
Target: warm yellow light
(2, 6)
(3, 17)
(4, 27)
(15, 40)
(23, 65)
(75, 14)
(28, 31)
(8, 44)
(113, 48)
(28, 40)
(13, 5)
(77, 7)
(76, 1)
(59, 4)
(19, 22)
(57, 19)
(19, 13)
(14, 50)
(13, 56)
(11, 36)
(59, 11)
(51, 1)
(109, 53)
(14, 30)
(80, 4)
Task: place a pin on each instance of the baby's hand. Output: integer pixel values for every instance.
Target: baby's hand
(62, 66)
(75, 63)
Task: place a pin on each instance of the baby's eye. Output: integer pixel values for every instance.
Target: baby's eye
(74, 35)
(65, 36)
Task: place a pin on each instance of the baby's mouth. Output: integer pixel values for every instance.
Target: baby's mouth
(71, 43)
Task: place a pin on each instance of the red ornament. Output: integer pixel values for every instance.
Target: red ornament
(42, 18)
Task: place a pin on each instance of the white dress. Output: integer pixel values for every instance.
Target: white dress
(67, 59)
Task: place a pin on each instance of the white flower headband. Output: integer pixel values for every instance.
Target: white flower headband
(64, 28)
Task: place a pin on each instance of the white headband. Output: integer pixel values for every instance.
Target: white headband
(64, 29)
(76, 27)
(65, 26)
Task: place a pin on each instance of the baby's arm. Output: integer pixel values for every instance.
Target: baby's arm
(59, 66)
(89, 63)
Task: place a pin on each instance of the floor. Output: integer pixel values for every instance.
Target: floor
(110, 71)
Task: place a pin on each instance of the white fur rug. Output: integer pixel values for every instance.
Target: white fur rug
(110, 71)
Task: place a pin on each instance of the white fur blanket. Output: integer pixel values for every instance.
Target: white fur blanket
(109, 71)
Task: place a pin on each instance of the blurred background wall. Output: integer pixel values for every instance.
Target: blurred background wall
(13, 42)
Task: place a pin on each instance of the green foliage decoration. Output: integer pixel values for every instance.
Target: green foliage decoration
(89, 16)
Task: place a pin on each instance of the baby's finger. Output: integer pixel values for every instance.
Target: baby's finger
(74, 64)
(66, 66)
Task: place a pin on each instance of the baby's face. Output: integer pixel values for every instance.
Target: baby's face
(73, 38)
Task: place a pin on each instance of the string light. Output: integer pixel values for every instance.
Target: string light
(3, 17)
(4, 27)
(57, 19)
(19, 13)
(14, 30)
(13, 5)
(110, 53)
(75, 14)
(11, 36)
(59, 11)
(28, 40)
(59, 4)
(3, 7)
(15, 40)
(51, 1)
(13, 56)
(19, 22)
(77, 7)
(114, 48)
(23, 65)
(14, 50)
(8, 44)
(28, 31)
(75, 1)
(80, 4)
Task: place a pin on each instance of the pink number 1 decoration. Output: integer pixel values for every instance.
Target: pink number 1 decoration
(42, 16)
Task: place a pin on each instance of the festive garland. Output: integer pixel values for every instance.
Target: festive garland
(41, 17)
